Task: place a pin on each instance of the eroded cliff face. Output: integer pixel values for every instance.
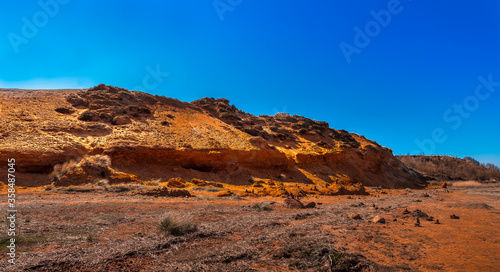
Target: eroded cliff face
(155, 137)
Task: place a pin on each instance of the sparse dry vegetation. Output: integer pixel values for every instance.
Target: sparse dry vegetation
(72, 165)
(115, 230)
(62, 169)
(175, 224)
(101, 160)
(262, 206)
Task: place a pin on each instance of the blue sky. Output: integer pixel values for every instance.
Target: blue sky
(416, 76)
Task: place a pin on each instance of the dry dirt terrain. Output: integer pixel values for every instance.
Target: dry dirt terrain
(110, 228)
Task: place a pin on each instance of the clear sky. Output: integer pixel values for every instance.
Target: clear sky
(416, 76)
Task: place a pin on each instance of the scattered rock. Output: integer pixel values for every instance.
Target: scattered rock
(437, 222)
(356, 216)
(378, 219)
(302, 216)
(444, 185)
(420, 214)
(311, 205)
(417, 224)
(453, 216)
(225, 193)
(293, 203)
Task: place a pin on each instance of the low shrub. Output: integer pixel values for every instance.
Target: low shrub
(262, 206)
(101, 162)
(62, 169)
(173, 224)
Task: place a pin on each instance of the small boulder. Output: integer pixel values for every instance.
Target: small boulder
(378, 219)
(311, 205)
(420, 214)
(356, 216)
(453, 216)
(444, 185)
(293, 203)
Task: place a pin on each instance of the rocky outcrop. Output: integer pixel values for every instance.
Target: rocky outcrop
(153, 137)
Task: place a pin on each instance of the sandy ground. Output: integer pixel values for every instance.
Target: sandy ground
(86, 229)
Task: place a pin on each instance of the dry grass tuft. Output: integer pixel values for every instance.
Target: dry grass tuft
(70, 166)
(98, 160)
(262, 206)
(62, 169)
(101, 182)
(174, 224)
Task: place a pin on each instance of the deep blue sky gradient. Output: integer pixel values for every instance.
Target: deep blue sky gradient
(282, 56)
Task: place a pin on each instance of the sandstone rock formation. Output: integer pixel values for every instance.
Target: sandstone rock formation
(154, 137)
